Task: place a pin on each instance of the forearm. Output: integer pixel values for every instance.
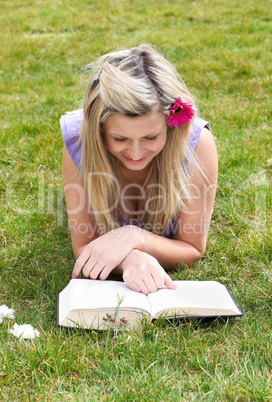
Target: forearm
(119, 243)
(170, 253)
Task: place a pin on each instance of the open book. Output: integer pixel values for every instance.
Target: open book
(96, 304)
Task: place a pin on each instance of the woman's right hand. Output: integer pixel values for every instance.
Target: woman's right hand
(143, 273)
(106, 252)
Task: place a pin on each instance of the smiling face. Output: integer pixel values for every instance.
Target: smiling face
(135, 141)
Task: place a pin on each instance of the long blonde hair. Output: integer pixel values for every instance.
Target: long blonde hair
(134, 82)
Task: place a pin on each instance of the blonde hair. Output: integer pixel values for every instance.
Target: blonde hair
(134, 82)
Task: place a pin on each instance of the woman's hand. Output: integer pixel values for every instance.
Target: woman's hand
(106, 252)
(143, 273)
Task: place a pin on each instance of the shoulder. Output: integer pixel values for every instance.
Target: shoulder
(206, 153)
(196, 129)
(70, 124)
(205, 141)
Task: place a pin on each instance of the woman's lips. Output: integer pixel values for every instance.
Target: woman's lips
(135, 161)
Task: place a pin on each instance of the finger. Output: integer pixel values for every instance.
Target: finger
(86, 271)
(80, 262)
(77, 268)
(75, 273)
(94, 265)
(169, 283)
(159, 281)
(151, 284)
(105, 272)
(133, 286)
(88, 268)
(143, 287)
(96, 270)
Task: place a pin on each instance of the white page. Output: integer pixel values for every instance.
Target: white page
(192, 294)
(94, 294)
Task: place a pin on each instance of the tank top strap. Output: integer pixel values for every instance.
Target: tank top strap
(196, 128)
(70, 125)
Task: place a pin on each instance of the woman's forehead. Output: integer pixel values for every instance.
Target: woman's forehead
(146, 124)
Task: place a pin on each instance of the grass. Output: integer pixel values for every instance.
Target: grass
(222, 50)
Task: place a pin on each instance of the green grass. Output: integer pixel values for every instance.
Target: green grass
(223, 52)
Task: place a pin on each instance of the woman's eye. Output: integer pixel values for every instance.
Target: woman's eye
(146, 138)
(119, 139)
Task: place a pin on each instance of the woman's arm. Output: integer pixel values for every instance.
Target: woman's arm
(81, 222)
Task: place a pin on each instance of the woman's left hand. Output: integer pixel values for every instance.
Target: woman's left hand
(144, 274)
(106, 252)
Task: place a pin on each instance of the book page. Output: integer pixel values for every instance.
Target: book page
(96, 294)
(200, 298)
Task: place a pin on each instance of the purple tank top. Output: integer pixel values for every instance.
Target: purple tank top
(70, 127)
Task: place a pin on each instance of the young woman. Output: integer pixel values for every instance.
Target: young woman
(139, 171)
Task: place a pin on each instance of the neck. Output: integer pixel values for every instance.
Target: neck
(134, 176)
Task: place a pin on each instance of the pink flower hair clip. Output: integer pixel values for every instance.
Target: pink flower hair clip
(180, 113)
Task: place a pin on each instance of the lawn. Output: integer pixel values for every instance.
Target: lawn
(223, 52)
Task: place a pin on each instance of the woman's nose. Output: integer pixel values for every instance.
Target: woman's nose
(135, 151)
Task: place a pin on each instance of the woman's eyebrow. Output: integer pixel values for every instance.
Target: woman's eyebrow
(117, 135)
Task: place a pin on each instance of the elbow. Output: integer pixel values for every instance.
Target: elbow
(198, 253)
(193, 255)
(196, 256)
(200, 250)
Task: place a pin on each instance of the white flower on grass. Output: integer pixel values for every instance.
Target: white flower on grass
(5, 312)
(24, 331)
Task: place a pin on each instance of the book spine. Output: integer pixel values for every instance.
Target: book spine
(58, 310)
(241, 314)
